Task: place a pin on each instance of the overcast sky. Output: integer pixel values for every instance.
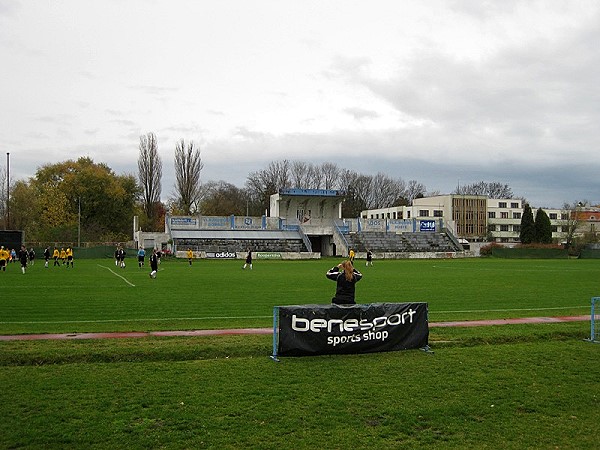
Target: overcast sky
(442, 92)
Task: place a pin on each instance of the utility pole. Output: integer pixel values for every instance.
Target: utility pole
(78, 222)
(7, 224)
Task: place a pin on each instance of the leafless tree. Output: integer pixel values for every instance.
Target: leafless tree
(414, 189)
(357, 187)
(494, 189)
(261, 184)
(571, 220)
(150, 174)
(331, 175)
(299, 174)
(188, 166)
(385, 191)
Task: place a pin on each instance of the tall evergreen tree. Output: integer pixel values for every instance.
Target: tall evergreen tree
(543, 227)
(527, 233)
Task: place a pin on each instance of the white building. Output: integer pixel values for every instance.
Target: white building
(475, 218)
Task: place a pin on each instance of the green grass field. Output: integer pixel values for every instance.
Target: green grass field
(97, 296)
(510, 386)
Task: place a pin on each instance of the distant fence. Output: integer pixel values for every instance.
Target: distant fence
(530, 253)
(589, 253)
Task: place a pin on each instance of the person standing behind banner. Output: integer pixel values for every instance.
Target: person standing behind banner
(346, 277)
(153, 263)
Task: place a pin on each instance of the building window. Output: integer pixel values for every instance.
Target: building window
(514, 205)
(438, 213)
(554, 228)
(492, 228)
(564, 217)
(408, 214)
(553, 216)
(503, 227)
(501, 204)
(516, 215)
(504, 215)
(492, 215)
(517, 228)
(423, 213)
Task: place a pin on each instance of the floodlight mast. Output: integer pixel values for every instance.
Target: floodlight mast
(78, 222)
(7, 223)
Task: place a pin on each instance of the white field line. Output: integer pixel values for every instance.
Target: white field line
(114, 273)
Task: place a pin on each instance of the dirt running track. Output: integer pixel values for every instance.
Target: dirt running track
(468, 323)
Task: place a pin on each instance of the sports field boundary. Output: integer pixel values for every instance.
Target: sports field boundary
(241, 331)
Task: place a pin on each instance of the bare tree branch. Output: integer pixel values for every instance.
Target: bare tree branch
(150, 174)
(188, 166)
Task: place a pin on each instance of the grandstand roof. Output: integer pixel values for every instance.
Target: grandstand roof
(234, 234)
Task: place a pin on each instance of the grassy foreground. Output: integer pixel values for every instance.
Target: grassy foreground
(517, 386)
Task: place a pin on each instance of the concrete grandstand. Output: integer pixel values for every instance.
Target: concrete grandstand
(302, 223)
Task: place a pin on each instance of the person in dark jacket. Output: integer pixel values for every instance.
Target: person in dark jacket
(46, 256)
(153, 263)
(23, 257)
(248, 260)
(346, 276)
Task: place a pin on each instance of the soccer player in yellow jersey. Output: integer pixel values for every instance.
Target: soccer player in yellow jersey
(55, 256)
(190, 255)
(69, 253)
(3, 258)
(63, 255)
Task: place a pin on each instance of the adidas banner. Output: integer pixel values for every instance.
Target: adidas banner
(304, 330)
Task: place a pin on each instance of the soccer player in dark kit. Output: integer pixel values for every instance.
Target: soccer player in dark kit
(153, 264)
(23, 256)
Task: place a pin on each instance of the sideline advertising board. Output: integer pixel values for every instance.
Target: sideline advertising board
(308, 330)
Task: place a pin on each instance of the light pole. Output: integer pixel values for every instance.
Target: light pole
(7, 224)
(78, 222)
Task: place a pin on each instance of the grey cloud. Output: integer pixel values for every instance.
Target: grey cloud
(361, 113)
(250, 135)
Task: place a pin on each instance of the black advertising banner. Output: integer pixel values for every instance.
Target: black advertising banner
(304, 330)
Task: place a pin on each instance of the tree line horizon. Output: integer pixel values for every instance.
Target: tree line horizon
(82, 199)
